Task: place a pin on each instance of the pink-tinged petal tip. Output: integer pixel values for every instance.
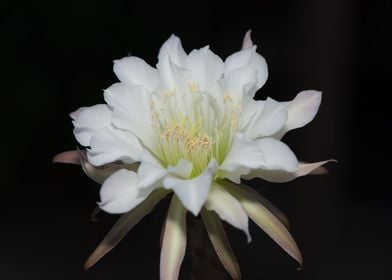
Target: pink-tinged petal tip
(70, 157)
(247, 42)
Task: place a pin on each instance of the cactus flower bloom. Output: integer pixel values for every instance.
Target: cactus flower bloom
(191, 127)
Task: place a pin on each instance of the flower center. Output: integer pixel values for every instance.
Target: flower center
(193, 126)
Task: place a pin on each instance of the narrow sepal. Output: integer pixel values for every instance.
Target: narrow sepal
(271, 207)
(264, 218)
(124, 225)
(221, 244)
(174, 241)
(101, 173)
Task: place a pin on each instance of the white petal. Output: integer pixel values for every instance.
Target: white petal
(131, 110)
(135, 71)
(250, 59)
(182, 170)
(150, 171)
(206, 66)
(120, 192)
(277, 155)
(109, 145)
(301, 110)
(270, 117)
(228, 208)
(281, 165)
(171, 76)
(239, 82)
(243, 156)
(173, 48)
(247, 42)
(88, 120)
(192, 192)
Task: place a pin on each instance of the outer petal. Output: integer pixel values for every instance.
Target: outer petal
(280, 176)
(270, 117)
(228, 208)
(109, 145)
(243, 156)
(174, 241)
(206, 66)
(248, 58)
(277, 155)
(131, 110)
(120, 192)
(173, 48)
(135, 71)
(192, 192)
(150, 172)
(301, 110)
(88, 120)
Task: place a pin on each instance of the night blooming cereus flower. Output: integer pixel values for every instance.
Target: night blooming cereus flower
(191, 127)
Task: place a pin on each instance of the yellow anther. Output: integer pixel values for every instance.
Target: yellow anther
(193, 88)
(227, 97)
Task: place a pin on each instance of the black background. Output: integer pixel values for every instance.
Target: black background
(56, 56)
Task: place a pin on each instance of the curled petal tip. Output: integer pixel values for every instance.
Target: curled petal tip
(75, 114)
(315, 168)
(300, 265)
(247, 42)
(248, 238)
(71, 157)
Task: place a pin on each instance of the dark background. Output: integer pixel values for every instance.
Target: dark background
(56, 56)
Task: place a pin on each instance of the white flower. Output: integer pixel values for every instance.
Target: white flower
(191, 126)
